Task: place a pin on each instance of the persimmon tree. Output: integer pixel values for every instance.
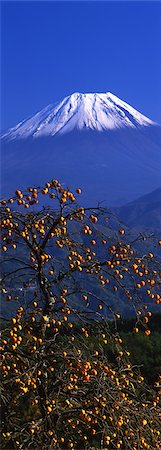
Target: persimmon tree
(67, 273)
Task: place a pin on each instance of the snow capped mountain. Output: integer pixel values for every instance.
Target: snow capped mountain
(99, 112)
(95, 141)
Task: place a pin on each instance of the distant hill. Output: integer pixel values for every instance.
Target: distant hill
(143, 213)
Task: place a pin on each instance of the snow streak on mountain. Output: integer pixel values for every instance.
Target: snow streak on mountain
(99, 112)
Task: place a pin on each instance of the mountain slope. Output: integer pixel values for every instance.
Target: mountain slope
(95, 141)
(143, 213)
(80, 111)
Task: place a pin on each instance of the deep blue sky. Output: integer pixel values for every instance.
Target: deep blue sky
(51, 49)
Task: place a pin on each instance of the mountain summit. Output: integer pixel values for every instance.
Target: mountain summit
(99, 112)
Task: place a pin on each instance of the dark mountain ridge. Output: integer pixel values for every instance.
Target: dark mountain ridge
(143, 213)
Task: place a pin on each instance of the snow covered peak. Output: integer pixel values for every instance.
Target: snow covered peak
(92, 111)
